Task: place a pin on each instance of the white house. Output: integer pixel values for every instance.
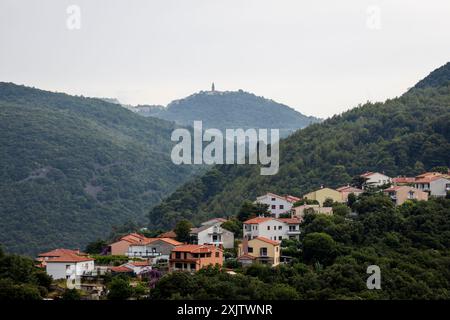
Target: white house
(277, 204)
(213, 234)
(435, 184)
(157, 248)
(69, 264)
(272, 228)
(375, 179)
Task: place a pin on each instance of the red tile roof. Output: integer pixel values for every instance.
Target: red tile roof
(139, 263)
(60, 252)
(70, 257)
(246, 256)
(289, 220)
(268, 240)
(349, 189)
(135, 238)
(258, 220)
(403, 180)
(121, 269)
(292, 199)
(168, 234)
(195, 248)
(170, 241)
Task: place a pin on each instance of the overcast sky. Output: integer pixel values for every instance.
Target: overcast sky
(320, 57)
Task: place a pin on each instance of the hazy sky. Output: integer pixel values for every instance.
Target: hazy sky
(320, 57)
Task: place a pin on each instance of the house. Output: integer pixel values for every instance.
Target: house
(403, 181)
(259, 250)
(120, 247)
(69, 264)
(157, 248)
(212, 233)
(169, 234)
(375, 179)
(272, 228)
(346, 190)
(132, 268)
(322, 194)
(277, 204)
(214, 221)
(434, 183)
(300, 211)
(193, 257)
(43, 257)
(399, 194)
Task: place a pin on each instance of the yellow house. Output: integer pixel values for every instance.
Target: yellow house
(259, 249)
(322, 194)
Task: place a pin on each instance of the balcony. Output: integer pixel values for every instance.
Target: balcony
(143, 254)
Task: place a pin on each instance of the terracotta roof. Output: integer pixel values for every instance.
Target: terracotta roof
(60, 252)
(403, 180)
(349, 189)
(194, 248)
(268, 240)
(121, 269)
(135, 238)
(289, 220)
(70, 257)
(139, 263)
(428, 179)
(429, 174)
(168, 234)
(246, 256)
(292, 199)
(170, 241)
(258, 220)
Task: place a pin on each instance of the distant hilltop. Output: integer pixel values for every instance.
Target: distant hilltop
(230, 109)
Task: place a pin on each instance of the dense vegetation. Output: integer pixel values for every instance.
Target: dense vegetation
(20, 279)
(226, 110)
(410, 244)
(72, 167)
(402, 136)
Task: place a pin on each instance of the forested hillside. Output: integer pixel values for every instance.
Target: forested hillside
(402, 136)
(72, 167)
(229, 109)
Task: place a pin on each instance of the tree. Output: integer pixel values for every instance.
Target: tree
(183, 230)
(96, 247)
(119, 289)
(234, 226)
(71, 294)
(440, 169)
(250, 210)
(351, 199)
(328, 202)
(319, 247)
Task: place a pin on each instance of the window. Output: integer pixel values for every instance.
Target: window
(192, 266)
(281, 206)
(178, 265)
(185, 265)
(217, 254)
(177, 255)
(273, 199)
(280, 238)
(263, 252)
(268, 227)
(274, 206)
(250, 249)
(276, 249)
(280, 227)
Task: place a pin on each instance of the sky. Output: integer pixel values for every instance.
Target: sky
(319, 57)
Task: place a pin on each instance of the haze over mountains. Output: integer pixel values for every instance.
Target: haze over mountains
(231, 109)
(402, 136)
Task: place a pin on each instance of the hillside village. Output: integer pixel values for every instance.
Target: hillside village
(263, 237)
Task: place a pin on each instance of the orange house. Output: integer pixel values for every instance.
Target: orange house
(120, 247)
(193, 257)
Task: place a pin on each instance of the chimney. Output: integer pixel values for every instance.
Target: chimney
(245, 245)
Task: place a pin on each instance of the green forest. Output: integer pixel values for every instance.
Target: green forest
(402, 136)
(73, 167)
